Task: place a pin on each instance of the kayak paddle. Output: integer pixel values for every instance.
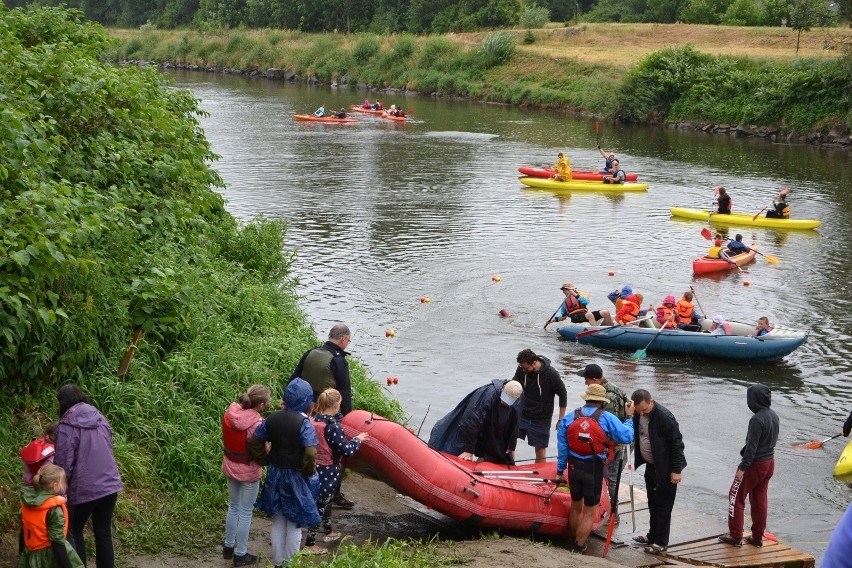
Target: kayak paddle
(769, 258)
(816, 445)
(694, 295)
(598, 133)
(553, 316)
(613, 516)
(641, 353)
(759, 212)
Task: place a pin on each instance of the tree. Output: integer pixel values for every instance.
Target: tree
(743, 13)
(806, 14)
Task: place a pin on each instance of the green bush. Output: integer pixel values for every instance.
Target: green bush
(497, 48)
(534, 17)
(367, 47)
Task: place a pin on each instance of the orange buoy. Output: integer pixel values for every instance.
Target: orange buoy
(495, 278)
(396, 380)
(612, 273)
(425, 299)
(746, 283)
(505, 313)
(390, 380)
(390, 333)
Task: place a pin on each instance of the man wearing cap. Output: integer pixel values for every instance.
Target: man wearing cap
(659, 445)
(583, 438)
(484, 424)
(617, 405)
(541, 383)
(780, 209)
(575, 308)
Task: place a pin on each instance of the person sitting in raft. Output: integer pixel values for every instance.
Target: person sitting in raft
(378, 105)
(366, 104)
(780, 208)
(393, 111)
(723, 201)
(667, 313)
(737, 246)
(618, 175)
(341, 113)
(610, 159)
(562, 167)
(717, 251)
(687, 314)
(627, 303)
(484, 424)
(320, 112)
(575, 308)
(762, 327)
(720, 326)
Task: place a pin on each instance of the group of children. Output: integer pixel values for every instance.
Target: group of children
(302, 445)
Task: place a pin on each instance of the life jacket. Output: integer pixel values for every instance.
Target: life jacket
(36, 453)
(629, 310)
(684, 311)
(727, 327)
(665, 316)
(324, 454)
(317, 370)
(585, 435)
(284, 428)
(714, 252)
(34, 521)
(234, 441)
(573, 305)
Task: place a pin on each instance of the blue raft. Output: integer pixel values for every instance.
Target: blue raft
(772, 346)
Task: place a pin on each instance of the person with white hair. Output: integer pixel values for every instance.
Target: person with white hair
(780, 209)
(720, 326)
(484, 425)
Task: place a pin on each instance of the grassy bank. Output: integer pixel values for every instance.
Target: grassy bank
(599, 69)
(111, 222)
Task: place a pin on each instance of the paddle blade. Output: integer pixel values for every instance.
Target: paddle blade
(809, 445)
(705, 232)
(597, 127)
(771, 259)
(639, 355)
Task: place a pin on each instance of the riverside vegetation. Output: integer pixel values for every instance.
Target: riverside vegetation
(630, 72)
(110, 221)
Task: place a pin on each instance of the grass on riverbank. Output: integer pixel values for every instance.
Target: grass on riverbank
(598, 69)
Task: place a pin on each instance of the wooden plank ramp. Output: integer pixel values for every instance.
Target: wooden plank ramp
(710, 552)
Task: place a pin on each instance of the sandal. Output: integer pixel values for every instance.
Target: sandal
(314, 550)
(754, 542)
(331, 537)
(641, 539)
(728, 539)
(655, 549)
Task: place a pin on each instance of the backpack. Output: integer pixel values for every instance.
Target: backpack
(585, 435)
(618, 401)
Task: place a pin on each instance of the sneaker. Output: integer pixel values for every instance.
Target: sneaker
(641, 539)
(227, 552)
(245, 560)
(342, 502)
(754, 542)
(655, 549)
(728, 539)
(331, 537)
(577, 548)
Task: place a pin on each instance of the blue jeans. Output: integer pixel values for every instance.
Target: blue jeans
(242, 495)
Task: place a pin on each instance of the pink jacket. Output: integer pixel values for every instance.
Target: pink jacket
(247, 420)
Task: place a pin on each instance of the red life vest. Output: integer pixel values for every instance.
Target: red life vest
(36, 453)
(572, 304)
(666, 316)
(235, 442)
(324, 455)
(684, 311)
(585, 435)
(34, 521)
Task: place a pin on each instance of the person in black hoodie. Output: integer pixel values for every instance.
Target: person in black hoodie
(541, 383)
(755, 470)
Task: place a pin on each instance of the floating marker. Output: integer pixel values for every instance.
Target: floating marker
(390, 380)
(612, 273)
(425, 299)
(746, 283)
(505, 313)
(495, 278)
(390, 333)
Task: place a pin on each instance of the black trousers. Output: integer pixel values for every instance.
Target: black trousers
(661, 498)
(101, 511)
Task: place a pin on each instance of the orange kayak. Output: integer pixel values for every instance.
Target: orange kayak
(325, 119)
(359, 108)
(402, 118)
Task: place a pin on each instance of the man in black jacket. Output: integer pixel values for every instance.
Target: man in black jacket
(541, 383)
(658, 445)
(326, 367)
(755, 470)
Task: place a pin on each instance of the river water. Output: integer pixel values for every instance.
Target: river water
(382, 214)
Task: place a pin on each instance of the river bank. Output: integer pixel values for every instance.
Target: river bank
(711, 79)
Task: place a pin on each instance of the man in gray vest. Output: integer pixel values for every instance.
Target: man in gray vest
(326, 367)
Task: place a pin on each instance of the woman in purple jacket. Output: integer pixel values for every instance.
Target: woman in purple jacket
(84, 451)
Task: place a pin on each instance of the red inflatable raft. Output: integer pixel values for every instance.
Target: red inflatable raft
(704, 264)
(484, 494)
(575, 174)
(325, 119)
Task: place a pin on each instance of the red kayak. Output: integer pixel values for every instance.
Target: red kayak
(584, 175)
(402, 118)
(325, 119)
(705, 264)
(359, 108)
(484, 494)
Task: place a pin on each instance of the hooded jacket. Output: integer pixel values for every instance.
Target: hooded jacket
(539, 389)
(246, 421)
(84, 451)
(762, 428)
(51, 520)
(479, 424)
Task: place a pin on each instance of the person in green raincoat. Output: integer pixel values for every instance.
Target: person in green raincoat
(44, 523)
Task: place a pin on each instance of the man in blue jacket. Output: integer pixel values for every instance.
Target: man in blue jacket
(584, 438)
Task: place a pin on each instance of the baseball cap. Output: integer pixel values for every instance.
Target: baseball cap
(591, 371)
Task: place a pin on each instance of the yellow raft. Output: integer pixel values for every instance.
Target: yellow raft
(843, 468)
(743, 219)
(579, 185)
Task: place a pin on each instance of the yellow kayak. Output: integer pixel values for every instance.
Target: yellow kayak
(843, 468)
(743, 219)
(581, 185)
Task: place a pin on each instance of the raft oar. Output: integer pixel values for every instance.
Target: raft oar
(694, 295)
(598, 133)
(816, 445)
(591, 331)
(553, 316)
(520, 478)
(641, 353)
(505, 472)
(769, 258)
(759, 212)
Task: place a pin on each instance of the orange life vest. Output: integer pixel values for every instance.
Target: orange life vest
(684, 311)
(34, 521)
(235, 442)
(666, 316)
(629, 310)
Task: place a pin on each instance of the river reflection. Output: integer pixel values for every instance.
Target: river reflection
(382, 214)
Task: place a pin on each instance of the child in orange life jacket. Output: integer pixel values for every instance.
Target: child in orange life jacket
(332, 445)
(667, 313)
(38, 452)
(44, 522)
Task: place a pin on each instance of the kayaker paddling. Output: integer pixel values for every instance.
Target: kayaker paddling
(610, 160)
(780, 209)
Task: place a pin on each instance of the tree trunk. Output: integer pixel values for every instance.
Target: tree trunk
(798, 37)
